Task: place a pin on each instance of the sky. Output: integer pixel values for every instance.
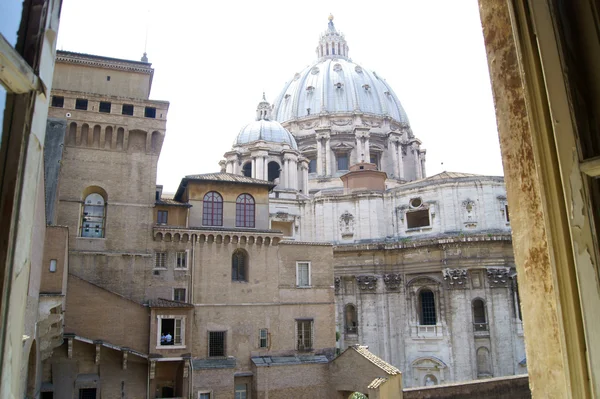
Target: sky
(213, 61)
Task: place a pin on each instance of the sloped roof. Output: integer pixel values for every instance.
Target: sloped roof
(377, 382)
(167, 303)
(382, 364)
(449, 175)
(288, 360)
(223, 178)
(223, 363)
(171, 202)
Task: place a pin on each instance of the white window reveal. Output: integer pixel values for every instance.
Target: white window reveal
(181, 260)
(171, 331)
(160, 260)
(303, 274)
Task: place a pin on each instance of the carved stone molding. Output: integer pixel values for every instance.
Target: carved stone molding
(347, 225)
(392, 281)
(498, 277)
(337, 283)
(367, 283)
(308, 125)
(341, 122)
(456, 278)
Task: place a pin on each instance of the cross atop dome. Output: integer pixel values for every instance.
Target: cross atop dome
(332, 43)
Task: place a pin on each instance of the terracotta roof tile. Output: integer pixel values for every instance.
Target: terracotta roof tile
(382, 364)
(229, 178)
(377, 382)
(167, 303)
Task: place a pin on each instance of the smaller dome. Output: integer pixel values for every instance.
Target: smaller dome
(270, 131)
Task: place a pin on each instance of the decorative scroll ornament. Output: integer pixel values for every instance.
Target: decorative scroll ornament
(371, 123)
(455, 278)
(308, 125)
(347, 225)
(392, 281)
(498, 277)
(341, 122)
(337, 283)
(367, 283)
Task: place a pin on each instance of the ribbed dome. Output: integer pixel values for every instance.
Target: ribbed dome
(337, 85)
(270, 131)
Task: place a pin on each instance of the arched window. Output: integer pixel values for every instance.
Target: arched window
(247, 169)
(479, 317)
(273, 170)
(427, 308)
(244, 211)
(351, 319)
(239, 266)
(93, 216)
(212, 213)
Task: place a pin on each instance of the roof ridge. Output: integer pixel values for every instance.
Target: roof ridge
(363, 350)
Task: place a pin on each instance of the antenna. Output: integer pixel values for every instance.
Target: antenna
(145, 56)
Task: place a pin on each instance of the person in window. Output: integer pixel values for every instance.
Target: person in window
(163, 339)
(168, 339)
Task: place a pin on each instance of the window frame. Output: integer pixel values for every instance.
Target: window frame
(158, 216)
(79, 104)
(422, 308)
(62, 101)
(235, 267)
(265, 338)
(224, 332)
(150, 112)
(157, 255)
(102, 107)
(350, 329)
(338, 156)
(420, 210)
(185, 258)
(204, 392)
(245, 210)
(125, 107)
(309, 263)
(216, 209)
(479, 325)
(175, 289)
(84, 215)
(182, 321)
(311, 329)
(245, 391)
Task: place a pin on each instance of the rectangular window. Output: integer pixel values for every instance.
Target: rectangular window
(304, 335)
(52, 265)
(171, 331)
(87, 393)
(241, 391)
(81, 103)
(127, 109)
(181, 260)
(203, 395)
(342, 162)
(417, 219)
(263, 338)
(162, 217)
(150, 112)
(58, 101)
(312, 166)
(374, 158)
(216, 343)
(179, 294)
(104, 107)
(160, 260)
(303, 274)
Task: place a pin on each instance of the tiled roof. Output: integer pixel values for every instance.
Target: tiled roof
(229, 178)
(167, 303)
(288, 360)
(224, 363)
(377, 382)
(171, 202)
(382, 364)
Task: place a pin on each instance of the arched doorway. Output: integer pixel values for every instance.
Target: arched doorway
(273, 170)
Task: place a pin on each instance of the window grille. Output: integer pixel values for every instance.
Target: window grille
(179, 294)
(303, 274)
(162, 217)
(212, 212)
(181, 260)
(244, 211)
(160, 260)
(92, 220)
(263, 338)
(239, 261)
(428, 316)
(216, 343)
(304, 334)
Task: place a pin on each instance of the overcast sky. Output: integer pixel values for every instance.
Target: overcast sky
(213, 60)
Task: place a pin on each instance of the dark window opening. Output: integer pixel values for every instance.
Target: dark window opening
(307, 111)
(312, 166)
(273, 170)
(179, 294)
(428, 317)
(342, 162)
(351, 320)
(244, 211)
(171, 332)
(263, 338)
(127, 109)
(150, 112)
(304, 334)
(216, 343)
(58, 101)
(239, 261)
(247, 169)
(47, 395)
(162, 217)
(374, 159)
(212, 212)
(479, 318)
(104, 107)
(157, 196)
(81, 103)
(167, 392)
(108, 78)
(506, 212)
(87, 393)
(417, 219)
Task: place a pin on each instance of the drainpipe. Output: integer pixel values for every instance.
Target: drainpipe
(190, 382)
